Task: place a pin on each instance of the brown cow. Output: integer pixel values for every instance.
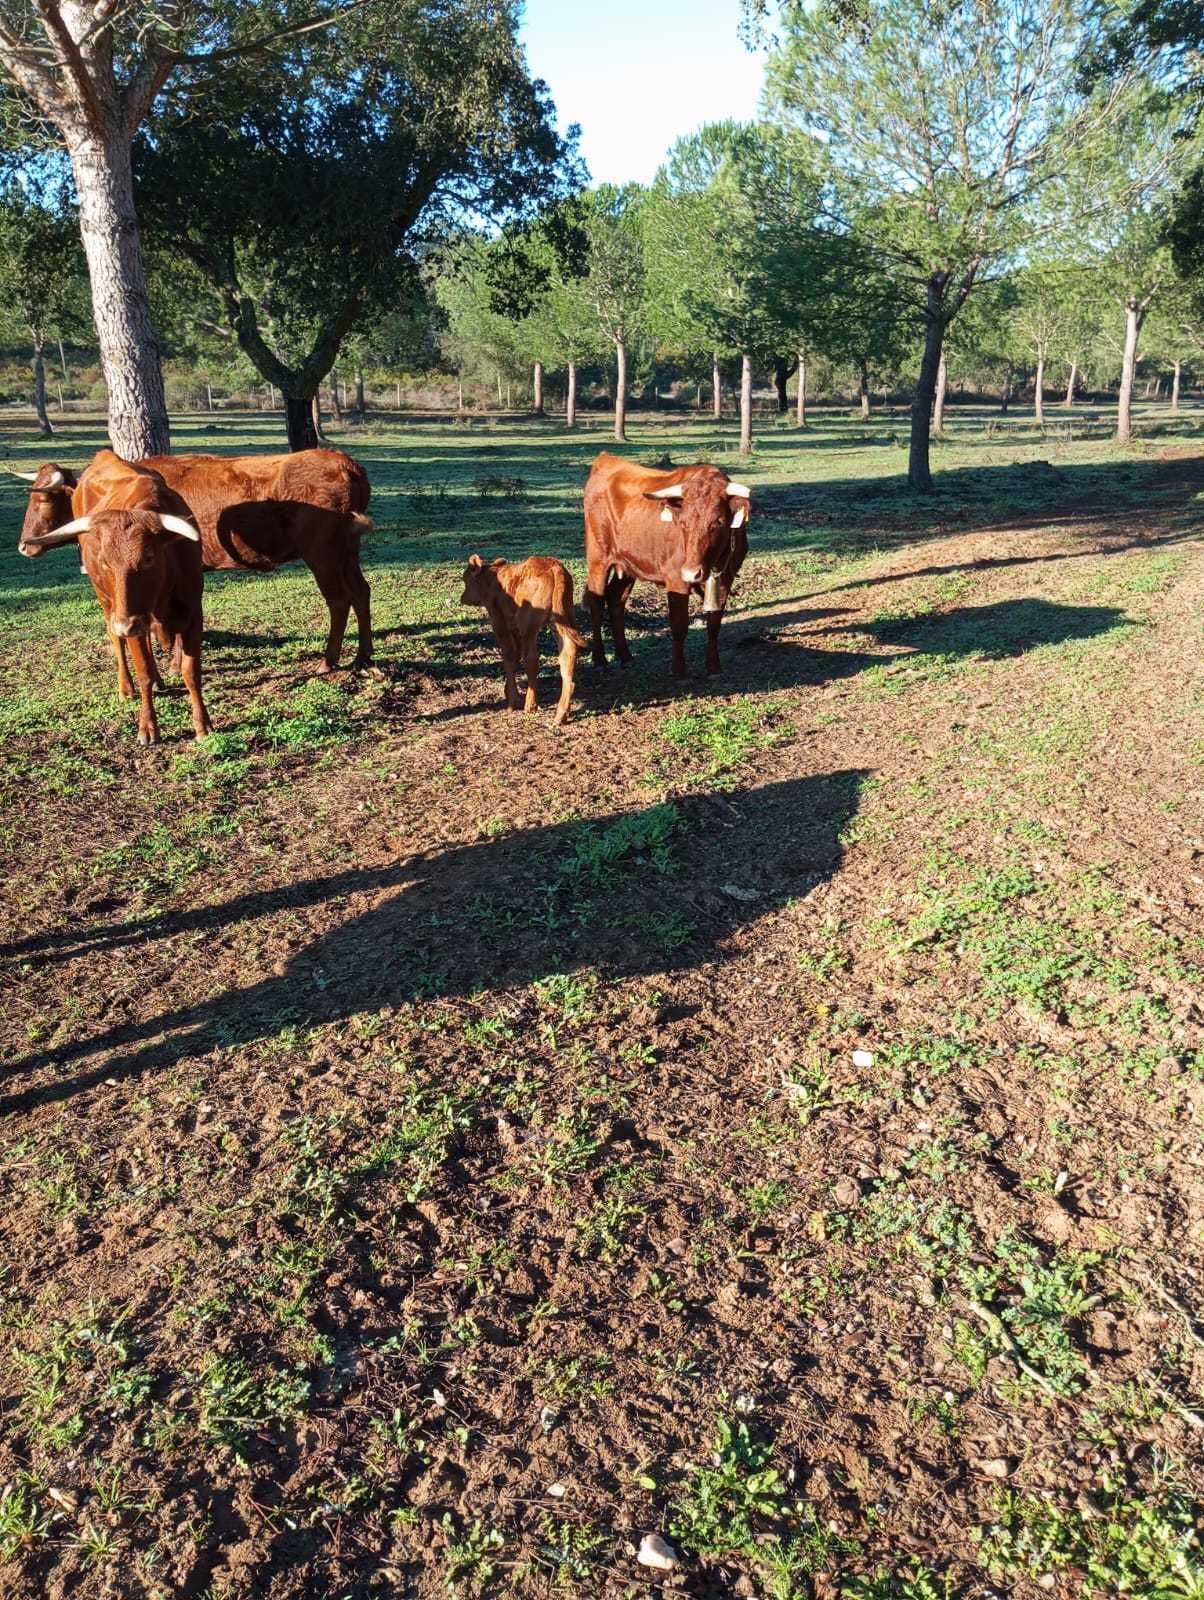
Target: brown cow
(144, 560)
(522, 597)
(685, 530)
(255, 513)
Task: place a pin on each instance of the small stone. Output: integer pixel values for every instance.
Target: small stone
(557, 1491)
(654, 1552)
(863, 1058)
(1046, 1581)
(736, 891)
(547, 1418)
(994, 1466)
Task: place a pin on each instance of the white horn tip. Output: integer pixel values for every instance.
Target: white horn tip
(178, 525)
(740, 490)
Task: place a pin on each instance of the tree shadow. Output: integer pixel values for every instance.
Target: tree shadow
(657, 889)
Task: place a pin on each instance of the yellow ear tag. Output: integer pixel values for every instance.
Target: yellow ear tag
(666, 515)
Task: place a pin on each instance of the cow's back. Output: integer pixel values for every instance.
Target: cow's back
(259, 512)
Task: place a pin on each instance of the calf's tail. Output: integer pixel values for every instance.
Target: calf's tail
(562, 617)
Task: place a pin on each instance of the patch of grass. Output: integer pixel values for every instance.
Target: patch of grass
(721, 738)
(1145, 1546)
(726, 1503)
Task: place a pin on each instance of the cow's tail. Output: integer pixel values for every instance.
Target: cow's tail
(562, 617)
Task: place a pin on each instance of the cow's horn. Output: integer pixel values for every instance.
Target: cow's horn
(673, 492)
(63, 535)
(741, 491)
(26, 477)
(178, 525)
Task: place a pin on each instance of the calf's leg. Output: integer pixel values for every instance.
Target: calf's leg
(530, 647)
(568, 667)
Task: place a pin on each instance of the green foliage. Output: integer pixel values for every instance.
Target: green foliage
(723, 1503)
(1143, 1546)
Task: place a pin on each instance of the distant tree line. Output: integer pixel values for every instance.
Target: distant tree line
(938, 191)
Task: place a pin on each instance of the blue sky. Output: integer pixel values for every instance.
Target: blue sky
(637, 74)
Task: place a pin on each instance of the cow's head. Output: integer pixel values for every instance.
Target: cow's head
(127, 556)
(49, 504)
(706, 507)
(480, 581)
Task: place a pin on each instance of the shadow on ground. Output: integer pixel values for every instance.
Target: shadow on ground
(657, 889)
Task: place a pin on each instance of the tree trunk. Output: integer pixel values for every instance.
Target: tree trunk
(620, 391)
(863, 390)
(537, 389)
(315, 416)
(716, 389)
(780, 372)
(1005, 397)
(1070, 382)
(919, 473)
(299, 419)
(129, 345)
(1134, 317)
(360, 406)
(570, 400)
(1178, 367)
(63, 362)
(1039, 391)
(336, 409)
(746, 387)
(499, 387)
(800, 404)
(942, 389)
(39, 385)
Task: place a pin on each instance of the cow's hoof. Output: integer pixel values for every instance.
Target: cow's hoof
(326, 667)
(145, 738)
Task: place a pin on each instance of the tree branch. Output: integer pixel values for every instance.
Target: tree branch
(293, 31)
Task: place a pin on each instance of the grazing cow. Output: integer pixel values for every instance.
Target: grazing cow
(144, 560)
(255, 513)
(685, 530)
(522, 597)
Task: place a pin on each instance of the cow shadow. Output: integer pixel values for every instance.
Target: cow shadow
(657, 889)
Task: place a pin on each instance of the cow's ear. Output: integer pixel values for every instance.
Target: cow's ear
(498, 563)
(475, 561)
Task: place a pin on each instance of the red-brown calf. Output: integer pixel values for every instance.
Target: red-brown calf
(144, 561)
(522, 597)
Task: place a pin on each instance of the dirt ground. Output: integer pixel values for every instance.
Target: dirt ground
(765, 1114)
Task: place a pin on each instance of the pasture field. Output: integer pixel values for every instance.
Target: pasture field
(439, 1150)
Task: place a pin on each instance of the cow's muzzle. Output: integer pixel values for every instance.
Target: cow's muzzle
(131, 628)
(692, 574)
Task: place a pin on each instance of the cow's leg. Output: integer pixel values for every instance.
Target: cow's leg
(531, 668)
(125, 684)
(190, 668)
(361, 600)
(337, 596)
(679, 624)
(144, 664)
(714, 623)
(617, 592)
(568, 668)
(595, 588)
